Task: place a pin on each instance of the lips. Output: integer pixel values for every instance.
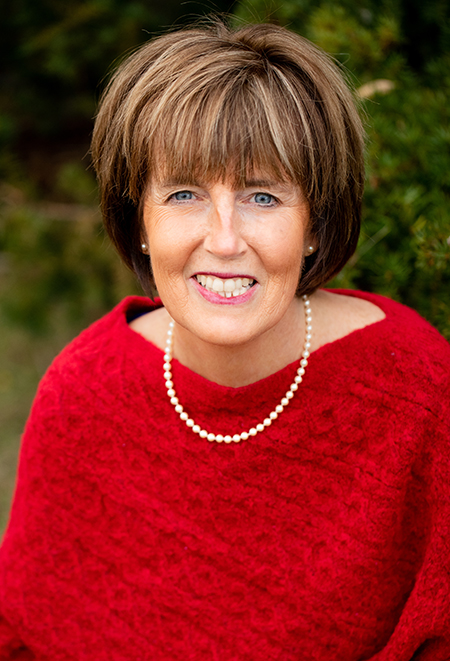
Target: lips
(225, 287)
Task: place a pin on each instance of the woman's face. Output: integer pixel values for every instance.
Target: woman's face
(227, 262)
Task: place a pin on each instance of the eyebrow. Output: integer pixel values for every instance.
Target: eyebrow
(249, 183)
(170, 183)
(263, 183)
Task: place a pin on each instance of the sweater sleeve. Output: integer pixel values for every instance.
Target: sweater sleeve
(422, 632)
(31, 543)
(435, 650)
(74, 582)
(11, 646)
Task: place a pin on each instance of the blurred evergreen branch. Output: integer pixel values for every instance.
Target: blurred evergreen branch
(58, 271)
(398, 53)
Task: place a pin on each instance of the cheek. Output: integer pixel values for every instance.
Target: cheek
(283, 249)
(167, 256)
(169, 243)
(171, 255)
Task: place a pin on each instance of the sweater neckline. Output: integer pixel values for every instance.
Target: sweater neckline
(337, 347)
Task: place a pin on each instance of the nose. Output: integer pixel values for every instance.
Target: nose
(224, 238)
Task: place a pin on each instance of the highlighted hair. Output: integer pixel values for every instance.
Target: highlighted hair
(210, 103)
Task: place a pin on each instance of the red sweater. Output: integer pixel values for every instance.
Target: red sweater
(326, 537)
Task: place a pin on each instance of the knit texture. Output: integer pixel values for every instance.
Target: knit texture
(326, 537)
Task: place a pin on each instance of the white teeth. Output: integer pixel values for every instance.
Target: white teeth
(226, 288)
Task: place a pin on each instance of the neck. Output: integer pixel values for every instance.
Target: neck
(240, 365)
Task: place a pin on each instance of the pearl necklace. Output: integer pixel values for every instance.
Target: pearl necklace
(267, 421)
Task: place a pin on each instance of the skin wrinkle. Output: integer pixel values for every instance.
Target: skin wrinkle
(239, 551)
(245, 102)
(222, 229)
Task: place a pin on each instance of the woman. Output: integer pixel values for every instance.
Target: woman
(251, 467)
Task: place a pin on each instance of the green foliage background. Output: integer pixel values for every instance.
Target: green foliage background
(57, 270)
(404, 251)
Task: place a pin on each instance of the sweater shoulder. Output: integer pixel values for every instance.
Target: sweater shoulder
(129, 307)
(415, 336)
(402, 356)
(95, 349)
(406, 329)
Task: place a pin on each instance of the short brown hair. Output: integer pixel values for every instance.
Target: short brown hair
(212, 103)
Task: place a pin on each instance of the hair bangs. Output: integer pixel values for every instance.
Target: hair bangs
(229, 132)
(214, 103)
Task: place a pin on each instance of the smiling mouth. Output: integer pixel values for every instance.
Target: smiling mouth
(227, 287)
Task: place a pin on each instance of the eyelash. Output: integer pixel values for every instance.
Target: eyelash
(179, 192)
(274, 201)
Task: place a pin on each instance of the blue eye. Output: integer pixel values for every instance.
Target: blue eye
(264, 198)
(183, 195)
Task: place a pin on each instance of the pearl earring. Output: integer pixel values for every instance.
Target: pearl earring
(311, 249)
(144, 247)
